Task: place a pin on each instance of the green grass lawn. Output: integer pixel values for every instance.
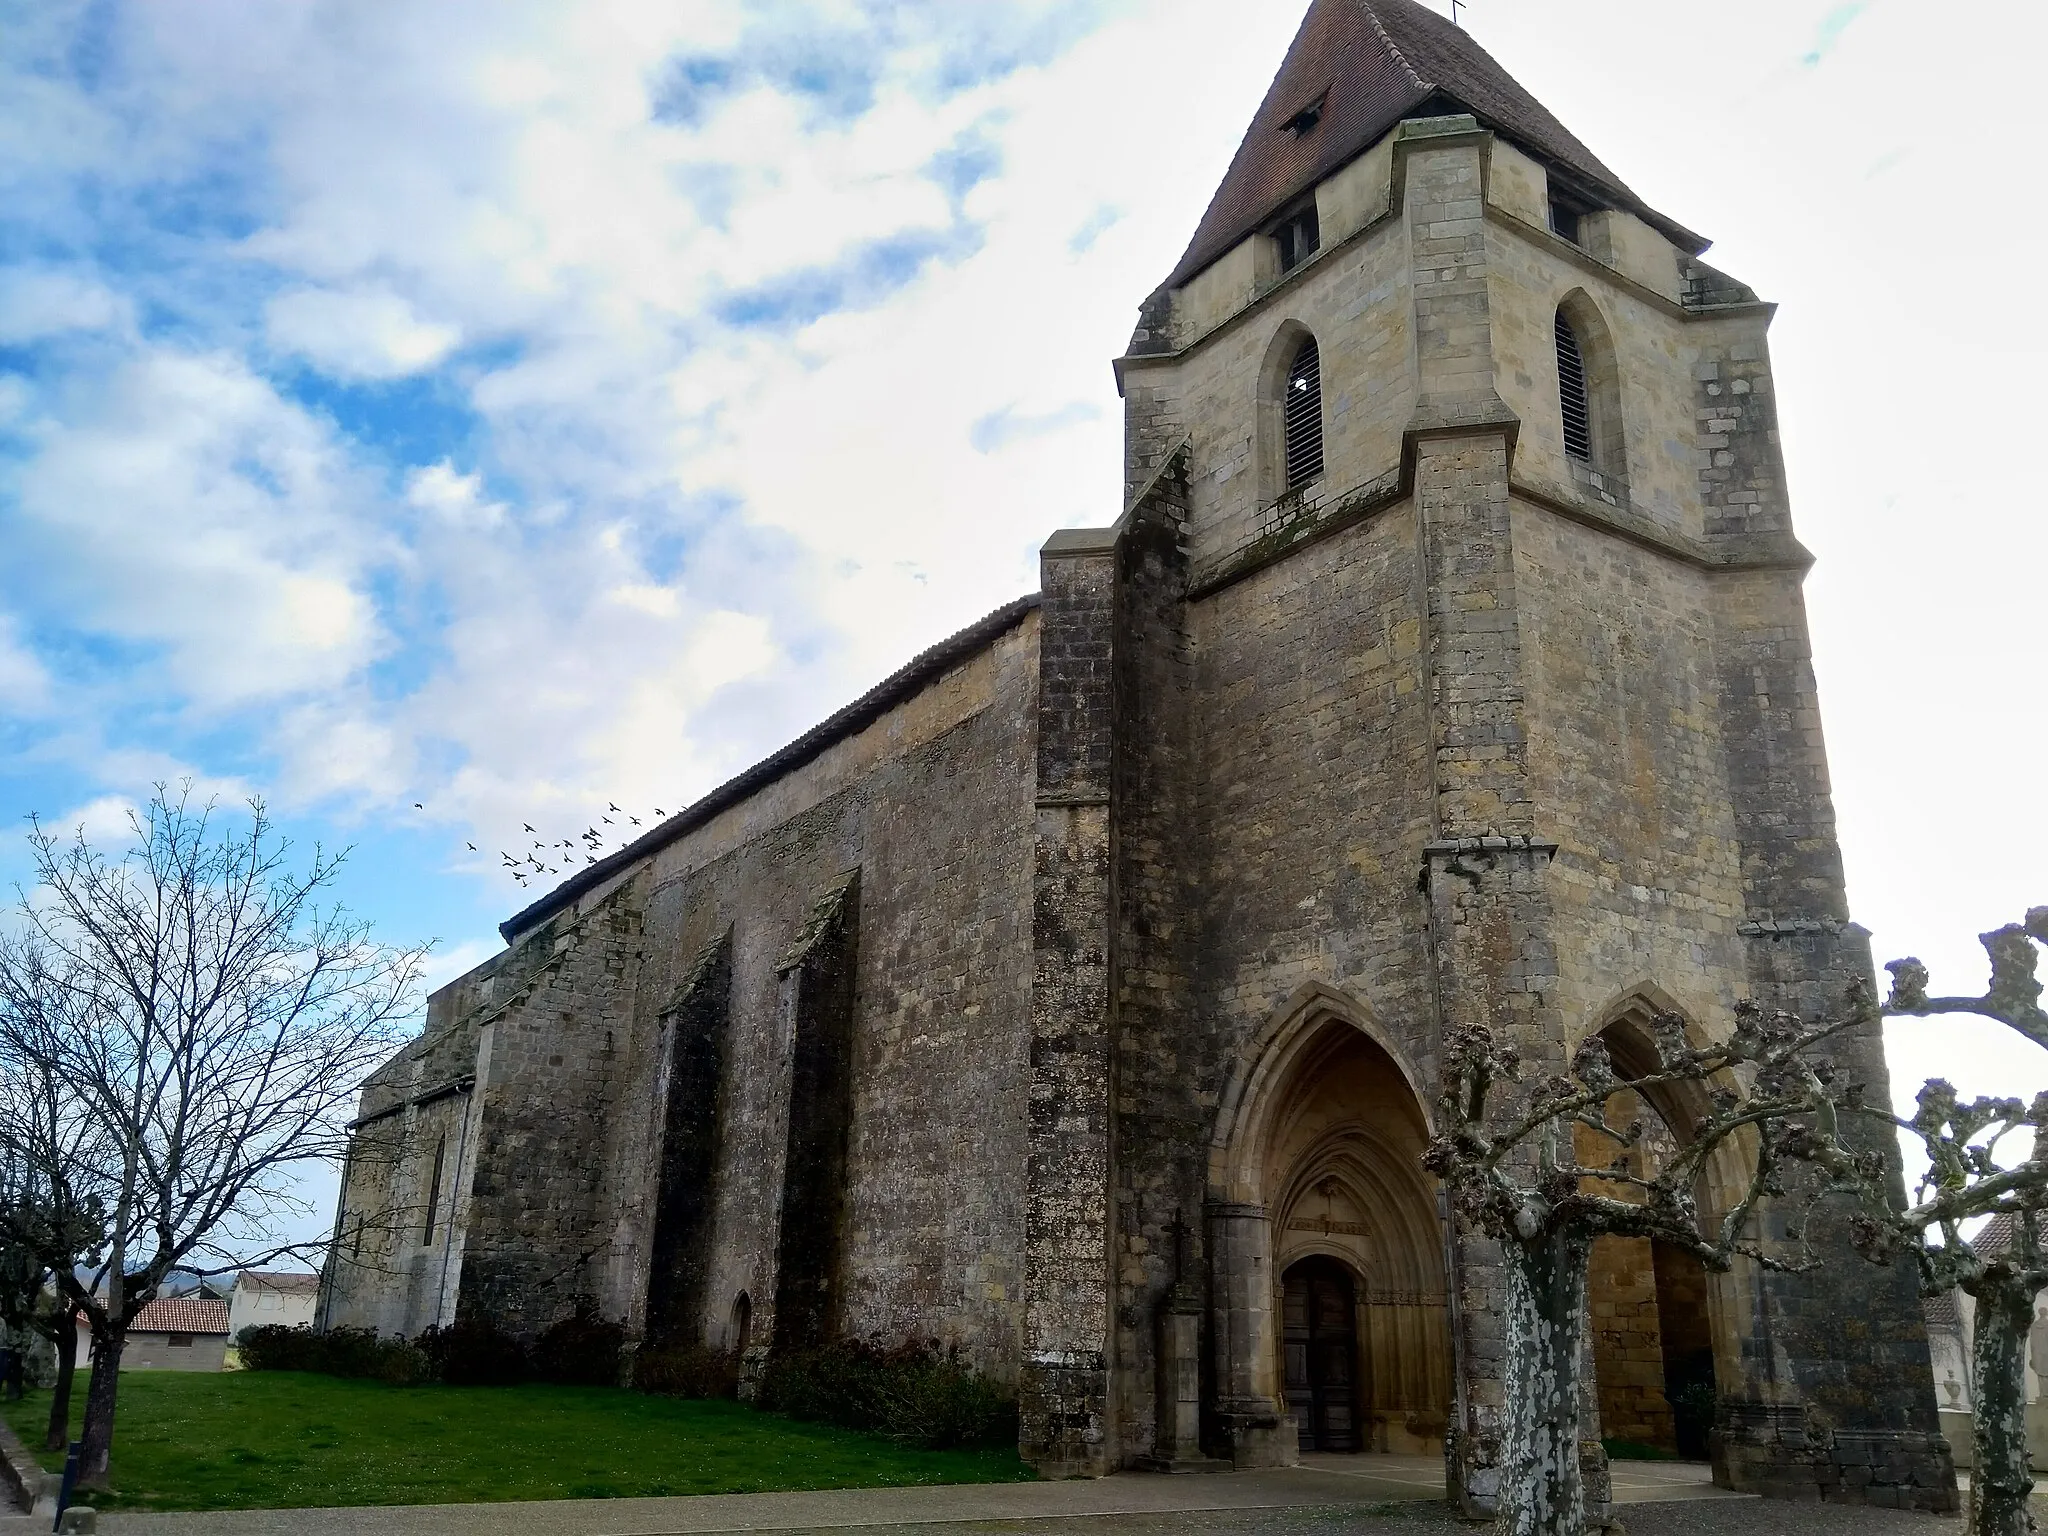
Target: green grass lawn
(285, 1439)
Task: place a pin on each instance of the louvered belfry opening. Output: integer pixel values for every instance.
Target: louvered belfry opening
(1304, 415)
(1571, 391)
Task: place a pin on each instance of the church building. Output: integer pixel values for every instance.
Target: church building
(1074, 999)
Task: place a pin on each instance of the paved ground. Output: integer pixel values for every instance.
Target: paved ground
(1398, 1495)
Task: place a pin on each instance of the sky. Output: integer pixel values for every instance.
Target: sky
(445, 416)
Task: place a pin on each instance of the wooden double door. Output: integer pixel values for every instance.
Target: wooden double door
(1320, 1331)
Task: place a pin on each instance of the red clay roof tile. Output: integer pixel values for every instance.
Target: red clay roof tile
(181, 1314)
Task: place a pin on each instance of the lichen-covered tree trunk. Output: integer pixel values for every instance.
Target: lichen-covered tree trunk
(59, 1429)
(100, 1396)
(1544, 1333)
(1999, 1482)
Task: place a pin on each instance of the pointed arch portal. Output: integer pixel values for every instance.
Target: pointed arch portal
(1328, 1289)
(1660, 1318)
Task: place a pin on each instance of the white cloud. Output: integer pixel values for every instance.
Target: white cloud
(361, 333)
(24, 680)
(38, 302)
(105, 821)
(448, 963)
(189, 508)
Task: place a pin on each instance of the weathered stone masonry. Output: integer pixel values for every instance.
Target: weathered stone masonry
(1075, 997)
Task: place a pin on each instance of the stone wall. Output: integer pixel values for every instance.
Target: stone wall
(909, 1120)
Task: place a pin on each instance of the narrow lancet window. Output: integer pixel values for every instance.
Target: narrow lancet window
(1303, 413)
(1571, 390)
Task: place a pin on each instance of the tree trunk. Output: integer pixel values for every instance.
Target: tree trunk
(100, 1392)
(2000, 1482)
(1544, 1337)
(66, 1340)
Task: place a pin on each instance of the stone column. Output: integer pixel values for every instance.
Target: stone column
(1252, 1421)
(1065, 1428)
(1177, 1356)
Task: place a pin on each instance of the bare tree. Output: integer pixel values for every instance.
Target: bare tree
(1514, 1172)
(1977, 1166)
(207, 1024)
(51, 1219)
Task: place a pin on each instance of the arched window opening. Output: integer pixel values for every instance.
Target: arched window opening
(742, 1323)
(1303, 415)
(1572, 393)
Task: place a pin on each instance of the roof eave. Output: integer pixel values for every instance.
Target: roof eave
(862, 712)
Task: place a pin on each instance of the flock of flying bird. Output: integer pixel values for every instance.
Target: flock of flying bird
(557, 858)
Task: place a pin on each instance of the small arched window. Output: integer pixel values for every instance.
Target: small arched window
(742, 1323)
(1589, 398)
(1302, 413)
(1573, 398)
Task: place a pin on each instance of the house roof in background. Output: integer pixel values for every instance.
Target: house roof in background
(1368, 64)
(181, 1314)
(289, 1283)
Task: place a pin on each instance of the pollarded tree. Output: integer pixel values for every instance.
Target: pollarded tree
(1513, 1171)
(1972, 1174)
(206, 1025)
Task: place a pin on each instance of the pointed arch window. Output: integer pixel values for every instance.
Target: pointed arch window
(1589, 405)
(1573, 397)
(1302, 414)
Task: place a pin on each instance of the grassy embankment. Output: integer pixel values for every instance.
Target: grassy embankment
(284, 1439)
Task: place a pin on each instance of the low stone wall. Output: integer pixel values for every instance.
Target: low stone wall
(23, 1478)
(1890, 1469)
(1774, 1451)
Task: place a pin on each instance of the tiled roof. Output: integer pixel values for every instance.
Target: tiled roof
(1942, 1311)
(181, 1314)
(290, 1284)
(1371, 63)
(1995, 1236)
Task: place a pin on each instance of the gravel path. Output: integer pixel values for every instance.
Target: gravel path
(1358, 1496)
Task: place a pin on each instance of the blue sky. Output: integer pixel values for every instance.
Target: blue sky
(517, 408)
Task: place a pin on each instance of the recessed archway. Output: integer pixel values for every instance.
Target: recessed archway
(1660, 1318)
(1317, 1157)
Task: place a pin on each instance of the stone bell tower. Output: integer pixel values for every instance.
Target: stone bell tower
(1452, 665)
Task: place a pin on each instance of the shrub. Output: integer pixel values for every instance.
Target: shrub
(687, 1371)
(581, 1350)
(338, 1352)
(475, 1352)
(912, 1393)
(1692, 1411)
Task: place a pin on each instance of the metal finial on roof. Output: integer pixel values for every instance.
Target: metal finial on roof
(1456, 6)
